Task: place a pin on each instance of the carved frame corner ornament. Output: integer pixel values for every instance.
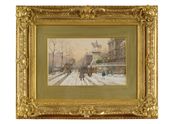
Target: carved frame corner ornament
(28, 106)
(147, 107)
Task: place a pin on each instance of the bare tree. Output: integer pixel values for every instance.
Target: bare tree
(52, 47)
(62, 54)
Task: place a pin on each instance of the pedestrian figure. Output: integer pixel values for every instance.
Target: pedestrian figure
(81, 76)
(103, 74)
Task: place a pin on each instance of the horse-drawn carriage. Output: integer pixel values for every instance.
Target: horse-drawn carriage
(67, 68)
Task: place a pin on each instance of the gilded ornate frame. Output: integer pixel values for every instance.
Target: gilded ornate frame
(145, 17)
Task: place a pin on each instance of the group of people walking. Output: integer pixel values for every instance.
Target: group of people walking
(83, 70)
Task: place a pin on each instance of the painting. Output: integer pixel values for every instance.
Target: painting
(86, 61)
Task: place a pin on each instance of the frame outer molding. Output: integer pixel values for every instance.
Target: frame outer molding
(26, 16)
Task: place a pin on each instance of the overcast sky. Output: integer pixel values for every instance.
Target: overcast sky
(78, 47)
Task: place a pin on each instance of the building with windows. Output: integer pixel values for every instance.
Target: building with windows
(117, 55)
(116, 50)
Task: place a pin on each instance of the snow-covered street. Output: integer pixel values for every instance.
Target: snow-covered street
(72, 79)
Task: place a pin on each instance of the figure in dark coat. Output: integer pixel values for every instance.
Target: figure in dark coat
(82, 74)
(103, 73)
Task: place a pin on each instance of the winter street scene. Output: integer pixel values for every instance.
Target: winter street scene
(86, 61)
